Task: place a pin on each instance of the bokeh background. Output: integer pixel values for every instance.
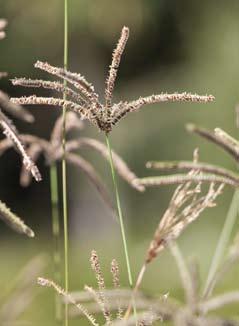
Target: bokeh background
(173, 46)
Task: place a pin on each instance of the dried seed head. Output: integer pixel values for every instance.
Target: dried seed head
(186, 205)
(86, 101)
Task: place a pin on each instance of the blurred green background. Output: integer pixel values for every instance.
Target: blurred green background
(173, 46)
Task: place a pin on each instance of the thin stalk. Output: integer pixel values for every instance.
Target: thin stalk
(222, 243)
(121, 221)
(56, 235)
(64, 185)
(120, 215)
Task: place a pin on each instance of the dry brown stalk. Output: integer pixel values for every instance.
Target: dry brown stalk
(14, 109)
(120, 166)
(15, 222)
(48, 283)
(215, 138)
(10, 133)
(86, 101)
(93, 176)
(72, 122)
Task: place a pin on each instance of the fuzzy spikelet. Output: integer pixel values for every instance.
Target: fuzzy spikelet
(14, 221)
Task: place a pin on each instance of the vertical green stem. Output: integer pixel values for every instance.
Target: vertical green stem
(64, 186)
(126, 252)
(121, 221)
(222, 242)
(56, 235)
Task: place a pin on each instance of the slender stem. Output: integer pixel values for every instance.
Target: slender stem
(56, 235)
(222, 243)
(64, 186)
(120, 215)
(121, 221)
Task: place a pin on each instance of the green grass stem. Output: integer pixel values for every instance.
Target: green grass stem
(121, 221)
(64, 181)
(222, 242)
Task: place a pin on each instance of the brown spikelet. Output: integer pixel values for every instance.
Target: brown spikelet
(56, 86)
(90, 172)
(11, 133)
(164, 97)
(77, 80)
(14, 221)
(14, 109)
(49, 283)
(95, 265)
(116, 283)
(116, 57)
(51, 101)
(33, 152)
